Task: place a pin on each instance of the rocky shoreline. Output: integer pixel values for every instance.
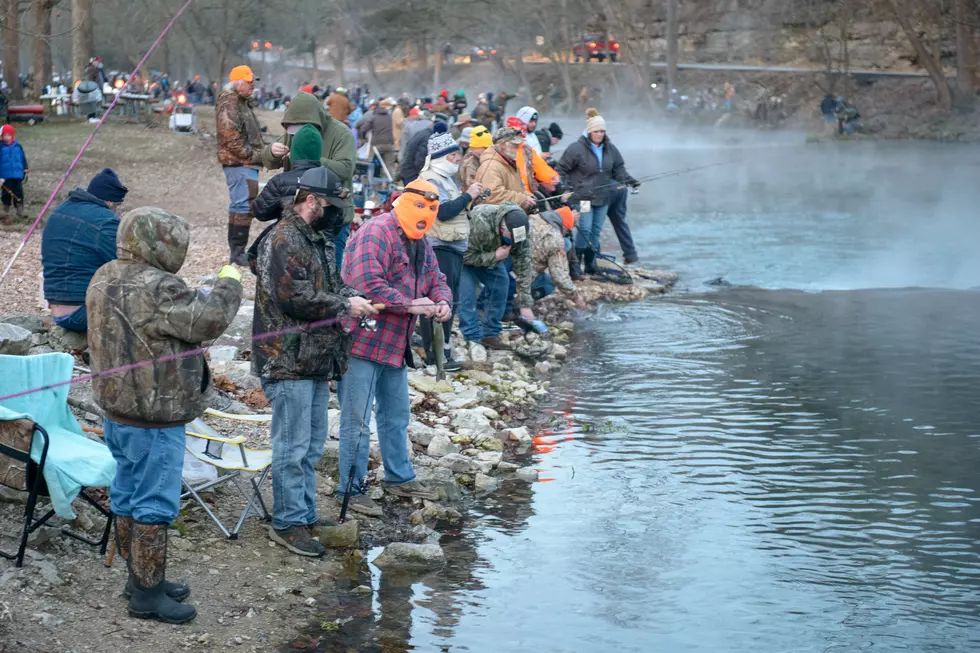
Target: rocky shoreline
(466, 434)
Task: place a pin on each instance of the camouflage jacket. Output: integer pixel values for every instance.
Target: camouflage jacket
(484, 240)
(298, 285)
(140, 310)
(239, 136)
(548, 254)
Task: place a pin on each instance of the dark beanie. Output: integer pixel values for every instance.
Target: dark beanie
(440, 128)
(307, 144)
(555, 130)
(515, 219)
(107, 187)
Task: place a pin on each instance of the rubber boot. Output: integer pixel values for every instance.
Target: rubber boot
(176, 591)
(147, 572)
(575, 265)
(590, 261)
(238, 225)
(19, 208)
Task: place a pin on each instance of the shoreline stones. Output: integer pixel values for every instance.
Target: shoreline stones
(409, 557)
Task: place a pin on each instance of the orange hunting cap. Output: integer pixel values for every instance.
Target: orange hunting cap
(241, 74)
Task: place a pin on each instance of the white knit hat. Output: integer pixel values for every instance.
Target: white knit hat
(464, 136)
(441, 145)
(527, 114)
(594, 124)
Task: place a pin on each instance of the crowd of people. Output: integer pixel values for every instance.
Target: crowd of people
(486, 223)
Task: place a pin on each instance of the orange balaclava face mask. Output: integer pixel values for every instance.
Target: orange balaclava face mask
(416, 209)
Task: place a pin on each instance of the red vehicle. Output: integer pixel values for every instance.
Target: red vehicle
(596, 47)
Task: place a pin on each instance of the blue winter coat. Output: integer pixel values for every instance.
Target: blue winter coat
(78, 239)
(13, 161)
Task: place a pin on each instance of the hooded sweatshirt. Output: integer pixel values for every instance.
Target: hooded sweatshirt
(140, 310)
(339, 153)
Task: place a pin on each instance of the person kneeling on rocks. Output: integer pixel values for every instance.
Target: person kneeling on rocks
(140, 312)
(299, 297)
(549, 243)
(391, 262)
(497, 232)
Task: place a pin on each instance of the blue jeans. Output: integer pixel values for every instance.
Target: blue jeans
(543, 284)
(370, 385)
(617, 216)
(340, 242)
(492, 300)
(77, 320)
(590, 226)
(299, 431)
(237, 178)
(148, 466)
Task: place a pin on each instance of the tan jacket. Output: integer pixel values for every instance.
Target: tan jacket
(397, 118)
(468, 168)
(339, 106)
(502, 178)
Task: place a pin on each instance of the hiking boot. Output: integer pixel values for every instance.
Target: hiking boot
(452, 365)
(495, 343)
(590, 261)
(147, 573)
(124, 525)
(575, 265)
(631, 260)
(297, 539)
(19, 208)
(363, 504)
(411, 490)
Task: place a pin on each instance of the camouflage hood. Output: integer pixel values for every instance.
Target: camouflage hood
(153, 236)
(145, 323)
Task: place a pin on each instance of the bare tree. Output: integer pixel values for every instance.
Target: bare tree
(904, 12)
(83, 38)
(41, 67)
(672, 30)
(966, 54)
(11, 46)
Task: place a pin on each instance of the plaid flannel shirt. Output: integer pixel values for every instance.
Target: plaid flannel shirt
(376, 265)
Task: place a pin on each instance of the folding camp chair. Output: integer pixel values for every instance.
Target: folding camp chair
(231, 456)
(43, 450)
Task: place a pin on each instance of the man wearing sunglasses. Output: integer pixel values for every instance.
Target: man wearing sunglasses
(298, 294)
(391, 262)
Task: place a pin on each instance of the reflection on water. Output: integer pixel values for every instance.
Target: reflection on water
(740, 470)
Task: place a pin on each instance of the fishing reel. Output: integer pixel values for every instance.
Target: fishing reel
(368, 323)
(485, 195)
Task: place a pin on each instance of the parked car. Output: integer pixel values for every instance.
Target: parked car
(596, 47)
(483, 53)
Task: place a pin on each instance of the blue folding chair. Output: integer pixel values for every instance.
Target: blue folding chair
(43, 450)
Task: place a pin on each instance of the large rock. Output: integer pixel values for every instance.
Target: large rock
(478, 353)
(494, 458)
(239, 332)
(33, 323)
(223, 353)
(527, 474)
(70, 341)
(465, 399)
(344, 536)
(421, 434)
(14, 340)
(441, 446)
(428, 384)
(441, 480)
(519, 435)
(489, 443)
(457, 463)
(484, 483)
(329, 463)
(472, 422)
(237, 372)
(403, 556)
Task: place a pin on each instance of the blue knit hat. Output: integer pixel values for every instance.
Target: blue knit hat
(441, 145)
(107, 187)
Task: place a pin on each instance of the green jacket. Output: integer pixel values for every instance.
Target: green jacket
(140, 310)
(339, 153)
(484, 240)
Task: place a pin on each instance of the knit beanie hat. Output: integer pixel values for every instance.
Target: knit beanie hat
(516, 221)
(107, 187)
(8, 129)
(480, 138)
(440, 127)
(567, 217)
(527, 114)
(464, 136)
(595, 123)
(307, 144)
(441, 145)
(505, 135)
(556, 130)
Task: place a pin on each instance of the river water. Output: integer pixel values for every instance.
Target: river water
(786, 461)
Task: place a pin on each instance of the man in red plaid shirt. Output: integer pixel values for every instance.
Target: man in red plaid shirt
(390, 262)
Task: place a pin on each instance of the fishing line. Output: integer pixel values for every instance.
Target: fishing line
(198, 351)
(88, 141)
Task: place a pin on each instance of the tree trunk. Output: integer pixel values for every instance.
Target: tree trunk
(82, 40)
(966, 56)
(522, 73)
(11, 47)
(42, 48)
(437, 71)
(902, 12)
(671, 46)
(563, 56)
(316, 68)
(369, 60)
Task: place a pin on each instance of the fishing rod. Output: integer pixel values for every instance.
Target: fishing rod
(660, 175)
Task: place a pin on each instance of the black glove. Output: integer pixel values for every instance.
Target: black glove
(632, 183)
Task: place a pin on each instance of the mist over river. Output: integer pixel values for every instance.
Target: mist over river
(784, 460)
